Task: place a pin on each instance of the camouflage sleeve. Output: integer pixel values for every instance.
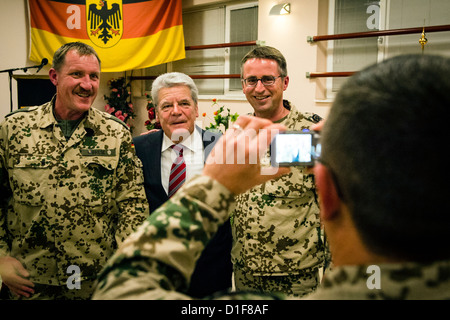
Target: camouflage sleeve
(5, 192)
(156, 262)
(130, 193)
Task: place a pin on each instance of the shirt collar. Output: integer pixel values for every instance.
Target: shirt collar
(193, 142)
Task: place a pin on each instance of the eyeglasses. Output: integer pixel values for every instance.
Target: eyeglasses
(265, 80)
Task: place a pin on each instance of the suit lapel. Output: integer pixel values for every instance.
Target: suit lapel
(153, 154)
(209, 139)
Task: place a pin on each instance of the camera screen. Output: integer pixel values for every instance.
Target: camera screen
(293, 148)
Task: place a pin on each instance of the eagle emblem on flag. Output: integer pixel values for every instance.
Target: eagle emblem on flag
(104, 22)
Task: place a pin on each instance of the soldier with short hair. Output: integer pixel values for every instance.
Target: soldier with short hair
(277, 245)
(71, 185)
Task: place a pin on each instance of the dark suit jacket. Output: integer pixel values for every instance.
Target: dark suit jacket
(213, 270)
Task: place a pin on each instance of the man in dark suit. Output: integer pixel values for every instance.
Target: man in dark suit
(175, 97)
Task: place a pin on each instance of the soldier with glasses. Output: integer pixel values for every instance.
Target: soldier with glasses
(277, 245)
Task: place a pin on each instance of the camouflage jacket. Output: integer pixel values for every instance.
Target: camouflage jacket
(157, 260)
(276, 226)
(386, 281)
(67, 202)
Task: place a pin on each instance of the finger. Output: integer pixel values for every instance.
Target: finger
(273, 130)
(238, 126)
(269, 173)
(318, 126)
(22, 276)
(250, 122)
(309, 170)
(25, 291)
(21, 271)
(25, 282)
(266, 135)
(255, 128)
(19, 283)
(150, 131)
(243, 120)
(19, 289)
(18, 293)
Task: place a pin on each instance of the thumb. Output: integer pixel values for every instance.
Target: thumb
(270, 172)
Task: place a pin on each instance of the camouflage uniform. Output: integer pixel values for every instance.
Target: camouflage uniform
(397, 281)
(277, 245)
(67, 202)
(157, 260)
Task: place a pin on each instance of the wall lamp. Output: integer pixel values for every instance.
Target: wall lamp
(280, 9)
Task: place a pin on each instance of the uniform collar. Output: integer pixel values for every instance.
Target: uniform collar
(48, 119)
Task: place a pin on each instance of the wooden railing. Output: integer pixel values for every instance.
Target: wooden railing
(194, 76)
(356, 35)
(329, 74)
(223, 45)
(380, 33)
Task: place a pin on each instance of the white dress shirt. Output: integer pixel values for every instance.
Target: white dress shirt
(193, 155)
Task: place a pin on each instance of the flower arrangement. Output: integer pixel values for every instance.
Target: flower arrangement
(151, 123)
(222, 118)
(119, 100)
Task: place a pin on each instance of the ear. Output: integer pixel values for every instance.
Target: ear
(328, 195)
(53, 76)
(196, 111)
(286, 83)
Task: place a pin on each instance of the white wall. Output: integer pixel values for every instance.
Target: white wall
(13, 27)
(287, 33)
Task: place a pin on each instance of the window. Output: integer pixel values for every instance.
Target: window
(351, 54)
(347, 16)
(233, 23)
(242, 25)
(417, 13)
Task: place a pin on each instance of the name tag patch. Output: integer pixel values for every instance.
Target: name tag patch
(98, 152)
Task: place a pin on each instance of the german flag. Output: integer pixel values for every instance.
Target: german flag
(127, 35)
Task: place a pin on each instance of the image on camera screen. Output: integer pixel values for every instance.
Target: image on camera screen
(293, 148)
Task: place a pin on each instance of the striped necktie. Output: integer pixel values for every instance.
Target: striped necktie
(178, 170)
